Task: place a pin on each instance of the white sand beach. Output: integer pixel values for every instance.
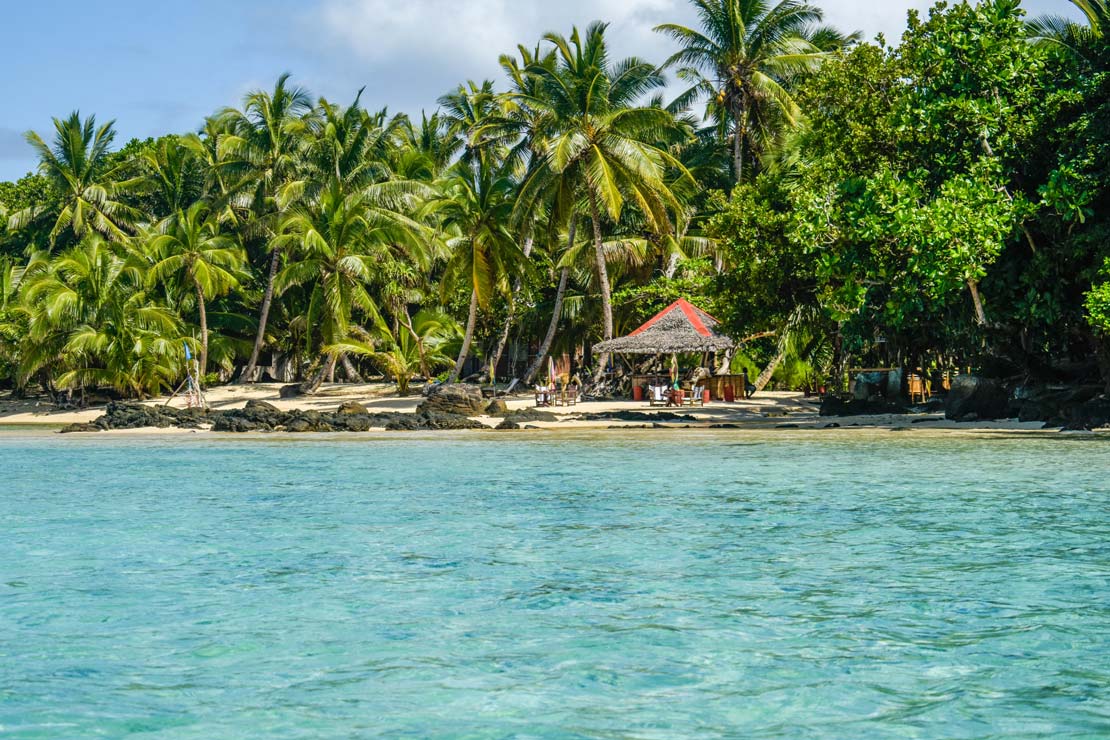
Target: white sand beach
(768, 410)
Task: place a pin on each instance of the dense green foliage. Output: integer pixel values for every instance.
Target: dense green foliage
(941, 201)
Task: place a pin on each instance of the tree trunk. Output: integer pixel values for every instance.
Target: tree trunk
(471, 320)
(419, 342)
(203, 331)
(980, 314)
(503, 339)
(737, 153)
(349, 367)
(672, 265)
(247, 376)
(556, 313)
(603, 280)
(313, 384)
(765, 376)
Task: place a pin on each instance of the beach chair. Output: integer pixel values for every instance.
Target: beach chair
(543, 395)
(657, 395)
(697, 397)
(570, 395)
(917, 387)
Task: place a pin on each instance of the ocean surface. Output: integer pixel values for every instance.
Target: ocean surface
(645, 584)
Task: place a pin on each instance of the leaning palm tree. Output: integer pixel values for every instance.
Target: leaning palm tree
(475, 207)
(739, 61)
(269, 134)
(191, 248)
(90, 186)
(601, 147)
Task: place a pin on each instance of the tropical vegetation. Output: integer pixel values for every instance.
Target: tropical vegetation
(941, 201)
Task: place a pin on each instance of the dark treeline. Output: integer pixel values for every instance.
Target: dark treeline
(939, 202)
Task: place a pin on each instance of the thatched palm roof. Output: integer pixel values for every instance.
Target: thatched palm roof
(680, 327)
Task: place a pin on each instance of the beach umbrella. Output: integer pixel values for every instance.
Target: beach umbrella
(674, 370)
(551, 370)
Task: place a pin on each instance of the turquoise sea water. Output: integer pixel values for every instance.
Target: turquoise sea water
(532, 585)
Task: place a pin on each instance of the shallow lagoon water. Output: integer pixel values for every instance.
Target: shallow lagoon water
(539, 585)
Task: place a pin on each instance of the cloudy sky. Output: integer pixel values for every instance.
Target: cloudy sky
(158, 67)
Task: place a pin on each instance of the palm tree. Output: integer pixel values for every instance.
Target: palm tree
(600, 146)
(269, 134)
(80, 170)
(92, 322)
(173, 176)
(739, 61)
(418, 349)
(476, 205)
(1080, 39)
(339, 239)
(191, 247)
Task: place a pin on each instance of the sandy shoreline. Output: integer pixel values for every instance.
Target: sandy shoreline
(768, 411)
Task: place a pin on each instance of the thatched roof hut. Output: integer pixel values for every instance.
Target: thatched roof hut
(680, 327)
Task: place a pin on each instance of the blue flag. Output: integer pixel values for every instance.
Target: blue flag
(188, 354)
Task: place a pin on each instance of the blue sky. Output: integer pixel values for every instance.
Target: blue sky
(159, 67)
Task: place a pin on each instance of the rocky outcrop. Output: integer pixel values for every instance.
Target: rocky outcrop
(497, 407)
(454, 398)
(1070, 407)
(138, 416)
(259, 416)
(432, 420)
(975, 398)
(352, 407)
(637, 416)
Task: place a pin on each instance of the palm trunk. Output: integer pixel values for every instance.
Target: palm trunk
(548, 338)
(603, 280)
(503, 339)
(471, 320)
(980, 314)
(419, 342)
(765, 376)
(349, 367)
(314, 383)
(739, 130)
(247, 376)
(737, 153)
(672, 266)
(203, 331)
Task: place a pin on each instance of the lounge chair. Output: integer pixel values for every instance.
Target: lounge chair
(917, 386)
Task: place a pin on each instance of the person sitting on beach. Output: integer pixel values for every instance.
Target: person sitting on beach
(749, 387)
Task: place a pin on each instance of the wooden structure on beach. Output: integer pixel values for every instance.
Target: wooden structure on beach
(678, 328)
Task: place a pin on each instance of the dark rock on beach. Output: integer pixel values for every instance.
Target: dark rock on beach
(454, 398)
(987, 398)
(497, 407)
(432, 420)
(352, 407)
(638, 416)
(80, 427)
(530, 414)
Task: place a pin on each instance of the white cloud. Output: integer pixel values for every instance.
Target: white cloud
(409, 52)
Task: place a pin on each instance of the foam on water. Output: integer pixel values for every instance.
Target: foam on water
(641, 585)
